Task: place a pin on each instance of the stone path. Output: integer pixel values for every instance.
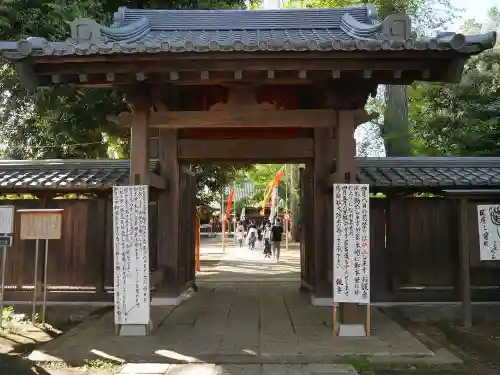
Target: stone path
(240, 264)
(247, 318)
(234, 323)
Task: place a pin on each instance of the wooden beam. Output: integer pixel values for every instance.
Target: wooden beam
(228, 119)
(265, 149)
(139, 142)
(231, 65)
(157, 181)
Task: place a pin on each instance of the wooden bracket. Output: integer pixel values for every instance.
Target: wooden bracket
(156, 181)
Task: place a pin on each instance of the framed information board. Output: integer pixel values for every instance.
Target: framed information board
(351, 242)
(131, 255)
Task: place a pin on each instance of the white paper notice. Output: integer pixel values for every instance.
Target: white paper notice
(351, 243)
(6, 219)
(131, 250)
(488, 218)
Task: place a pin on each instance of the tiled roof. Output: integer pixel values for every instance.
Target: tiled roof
(440, 172)
(155, 31)
(64, 175)
(413, 172)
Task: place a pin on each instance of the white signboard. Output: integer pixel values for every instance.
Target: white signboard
(131, 250)
(6, 219)
(351, 243)
(488, 218)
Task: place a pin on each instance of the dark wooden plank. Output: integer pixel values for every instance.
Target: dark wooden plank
(198, 65)
(252, 56)
(324, 149)
(379, 268)
(231, 119)
(465, 266)
(300, 148)
(169, 211)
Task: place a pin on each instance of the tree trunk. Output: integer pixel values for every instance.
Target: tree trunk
(294, 202)
(395, 129)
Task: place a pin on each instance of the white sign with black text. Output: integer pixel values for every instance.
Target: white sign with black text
(131, 254)
(488, 218)
(351, 243)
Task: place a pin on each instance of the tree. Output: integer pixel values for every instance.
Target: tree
(394, 129)
(461, 119)
(66, 122)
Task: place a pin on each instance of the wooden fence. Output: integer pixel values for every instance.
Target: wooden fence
(414, 252)
(80, 264)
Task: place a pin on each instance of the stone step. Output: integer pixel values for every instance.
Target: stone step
(236, 369)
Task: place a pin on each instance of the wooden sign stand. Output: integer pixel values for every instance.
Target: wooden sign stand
(351, 259)
(367, 324)
(7, 231)
(40, 224)
(130, 231)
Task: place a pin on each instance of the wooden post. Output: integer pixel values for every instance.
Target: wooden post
(324, 152)
(349, 313)
(465, 266)
(198, 240)
(168, 212)
(139, 141)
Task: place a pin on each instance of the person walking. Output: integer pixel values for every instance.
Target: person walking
(267, 235)
(276, 236)
(239, 234)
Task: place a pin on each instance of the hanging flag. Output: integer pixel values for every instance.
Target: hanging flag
(274, 204)
(229, 203)
(243, 190)
(270, 190)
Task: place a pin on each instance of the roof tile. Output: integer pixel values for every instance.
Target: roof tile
(68, 175)
(155, 31)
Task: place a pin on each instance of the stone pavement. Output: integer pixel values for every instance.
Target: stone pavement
(240, 264)
(234, 323)
(248, 317)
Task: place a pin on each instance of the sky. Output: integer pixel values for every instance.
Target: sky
(473, 9)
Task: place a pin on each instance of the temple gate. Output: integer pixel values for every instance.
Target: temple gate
(294, 82)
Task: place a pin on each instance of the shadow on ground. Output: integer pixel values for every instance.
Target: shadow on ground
(18, 366)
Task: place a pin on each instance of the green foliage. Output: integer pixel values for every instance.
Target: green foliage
(424, 13)
(68, 122)
(261, 175)
(460, 119)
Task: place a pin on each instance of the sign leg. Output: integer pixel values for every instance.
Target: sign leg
(35, 283)
(368, 320)
(4, 256)
(45, 266)
(334, 319)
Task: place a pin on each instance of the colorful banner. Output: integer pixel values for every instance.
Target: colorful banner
(270, 190)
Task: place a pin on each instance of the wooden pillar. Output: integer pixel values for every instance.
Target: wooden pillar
(346, 173)
(168, 213)
(324, 152)
(465, 291)
(139, 141)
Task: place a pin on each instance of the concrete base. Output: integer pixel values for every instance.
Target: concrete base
(352, 330)
(135, 329)
(321, 301)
